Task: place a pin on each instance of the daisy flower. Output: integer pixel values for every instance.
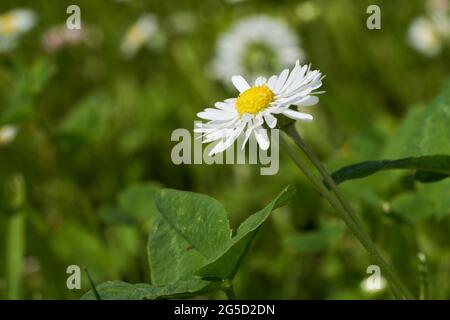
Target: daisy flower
(258, 107)
(143, 32)
(7, 134)
(253, 46)
(427, 34)
(12, 25)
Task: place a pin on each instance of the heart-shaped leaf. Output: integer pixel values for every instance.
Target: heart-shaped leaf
(191, 230)
(226, 263)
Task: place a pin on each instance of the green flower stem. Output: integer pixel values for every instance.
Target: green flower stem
(14, 254)
(228, 288)
(341, 205)
(424, 281)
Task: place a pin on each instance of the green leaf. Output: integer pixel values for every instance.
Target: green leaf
(171, 257)
(199, 219)
(428, 168)
(411, 207)
(226, 263)
(119, 290)
(421, 143)
(192, 228)
(424, 132)
(424, 202)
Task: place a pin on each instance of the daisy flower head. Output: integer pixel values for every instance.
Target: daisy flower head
(253, 46)
(259, 107)
(12, 25)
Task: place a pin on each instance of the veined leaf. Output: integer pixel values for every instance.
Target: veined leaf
(119, 290)
(428, 168)
(198, 218)
(225, 264)
(191, 230)
(171, 257)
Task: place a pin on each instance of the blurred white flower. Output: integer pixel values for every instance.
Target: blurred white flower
(12, 25)
(144, 32)
(7, 134)
(428, 34)
(258, 105)
(253, 46)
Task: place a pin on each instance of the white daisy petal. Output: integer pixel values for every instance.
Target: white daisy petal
(262, 138)
(240, 83)
(297, 115)
(225, 144)
(281, 80)
(292, 77)
(215, 115)
(272, 82)
(270, 120)
(260, 81)
(309, 101)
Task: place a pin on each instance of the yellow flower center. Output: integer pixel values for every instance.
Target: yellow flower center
(7, 24)
(254, 100)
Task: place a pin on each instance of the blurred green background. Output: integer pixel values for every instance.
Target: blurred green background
(92, 144)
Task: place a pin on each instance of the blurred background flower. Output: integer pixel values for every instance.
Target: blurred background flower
(7, 134)
(254, 46)
(58, 37)
(429, 34)
(13, 24)
(144, 32)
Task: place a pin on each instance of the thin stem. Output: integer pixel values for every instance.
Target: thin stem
(228, 288)
(340, 204)
(293, 133)
(92, 284)
(423, 270)
(15, 252)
